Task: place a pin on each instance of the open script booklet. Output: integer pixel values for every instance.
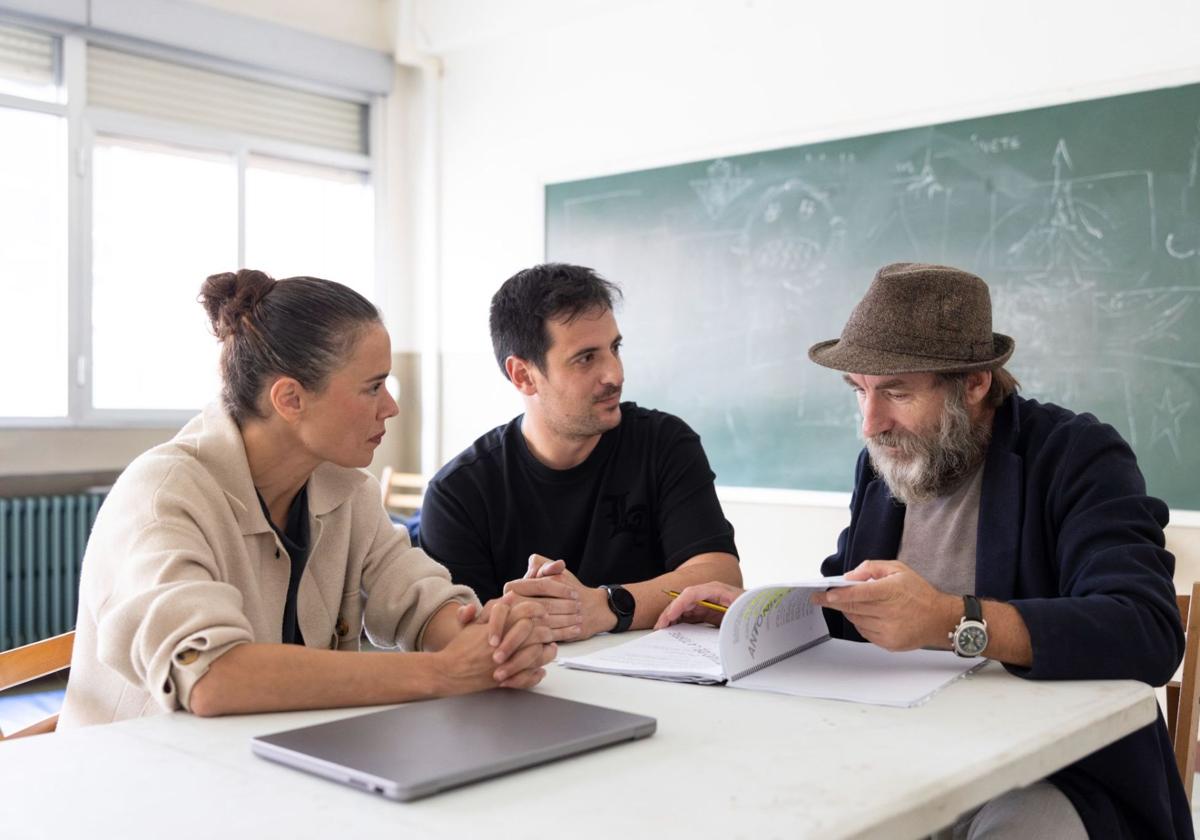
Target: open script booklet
(774, 639)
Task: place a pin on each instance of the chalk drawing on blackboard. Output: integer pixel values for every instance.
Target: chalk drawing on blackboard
(721, 188)
(1131, 320)
(1029, 304)
(1150, 325)
(1091, 247)
(1165, 424)
(1177, 247)
(923, 181)
(1183, 246)
(1063, 244)
(1080, 224)
(791, 231)
(996, 145)
(918, 208)
(915, 217)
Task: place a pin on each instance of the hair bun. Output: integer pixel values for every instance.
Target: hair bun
(230, 298)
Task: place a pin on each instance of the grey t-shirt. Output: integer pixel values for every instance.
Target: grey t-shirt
(938, 541)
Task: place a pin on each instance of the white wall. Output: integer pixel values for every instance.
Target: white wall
(534, 92)
(361, 22)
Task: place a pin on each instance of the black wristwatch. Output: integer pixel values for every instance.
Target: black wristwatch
(970, 637)
(621, 602)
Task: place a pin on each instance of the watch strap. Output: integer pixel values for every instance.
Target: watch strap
(972, 609)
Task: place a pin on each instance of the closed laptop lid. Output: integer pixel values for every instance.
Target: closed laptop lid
(421, 748)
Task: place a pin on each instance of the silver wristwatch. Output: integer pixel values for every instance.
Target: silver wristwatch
(970, 637)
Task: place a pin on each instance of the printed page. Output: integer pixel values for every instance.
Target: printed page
(861, 672)
(681, 653)
(769, 623)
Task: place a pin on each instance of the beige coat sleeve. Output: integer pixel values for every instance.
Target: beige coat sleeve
(403, 586)
(169, 611)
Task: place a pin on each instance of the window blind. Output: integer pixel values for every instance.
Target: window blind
(181, 93)
(28, 57)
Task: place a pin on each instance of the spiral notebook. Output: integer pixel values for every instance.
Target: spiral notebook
(773, 639)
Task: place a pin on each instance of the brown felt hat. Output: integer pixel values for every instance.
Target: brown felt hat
(918, 318)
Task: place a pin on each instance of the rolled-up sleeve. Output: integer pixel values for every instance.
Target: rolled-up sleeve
(168, 617)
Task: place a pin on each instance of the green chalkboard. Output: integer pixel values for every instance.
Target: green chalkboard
(1084, 219)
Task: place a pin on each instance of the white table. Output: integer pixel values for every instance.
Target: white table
(724, 763)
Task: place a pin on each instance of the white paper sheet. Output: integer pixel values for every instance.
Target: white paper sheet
(683, 653)
(864, 673)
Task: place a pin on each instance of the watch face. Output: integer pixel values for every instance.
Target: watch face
(621, 600)
(971, 639)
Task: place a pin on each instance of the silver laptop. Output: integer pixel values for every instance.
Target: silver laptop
(422, 748)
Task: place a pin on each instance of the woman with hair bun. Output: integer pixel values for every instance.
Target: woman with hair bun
(233, 568)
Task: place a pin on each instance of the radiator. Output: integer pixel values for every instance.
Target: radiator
(41, 546)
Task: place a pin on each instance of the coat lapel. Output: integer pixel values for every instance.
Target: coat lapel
(1000, 504)
(219, 446)
(313, 614)
(881, 541)
(329, 487)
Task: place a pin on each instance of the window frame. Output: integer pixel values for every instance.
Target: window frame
(62, 108)
(85, 124)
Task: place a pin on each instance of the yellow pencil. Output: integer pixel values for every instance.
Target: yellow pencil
(708, 604)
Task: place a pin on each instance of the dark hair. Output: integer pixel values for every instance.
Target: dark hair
(302, 327)
(530, 298)
(1003, 384)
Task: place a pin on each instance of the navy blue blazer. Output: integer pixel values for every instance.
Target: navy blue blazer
(1068, 536)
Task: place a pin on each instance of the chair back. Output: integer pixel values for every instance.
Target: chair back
(31, 662)
(402, 491)
(1183, 695)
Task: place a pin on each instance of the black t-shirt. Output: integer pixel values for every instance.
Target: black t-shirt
(642, 503)
(294, 537)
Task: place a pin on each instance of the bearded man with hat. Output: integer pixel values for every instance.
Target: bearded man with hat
(998, 526)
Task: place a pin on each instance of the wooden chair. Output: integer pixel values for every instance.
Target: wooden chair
(1183, 695)
(31, 662)
(402, 492)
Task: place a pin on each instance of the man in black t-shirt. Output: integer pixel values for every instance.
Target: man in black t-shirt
(589, 504)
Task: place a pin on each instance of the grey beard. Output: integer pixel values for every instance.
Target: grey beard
(931, 464)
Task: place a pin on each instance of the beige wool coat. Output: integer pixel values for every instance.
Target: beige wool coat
(182, 565)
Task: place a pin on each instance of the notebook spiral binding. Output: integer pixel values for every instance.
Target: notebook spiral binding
(767, 663)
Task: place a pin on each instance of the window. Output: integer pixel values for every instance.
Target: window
(29, 64)
(310, 220)
(194, 96)
(33, 264)
(152, 248)
(119, 197)
(162, 220)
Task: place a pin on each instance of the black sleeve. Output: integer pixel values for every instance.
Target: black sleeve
(450, 534)
(838, 563)
(1117, 617)
(690, 520)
